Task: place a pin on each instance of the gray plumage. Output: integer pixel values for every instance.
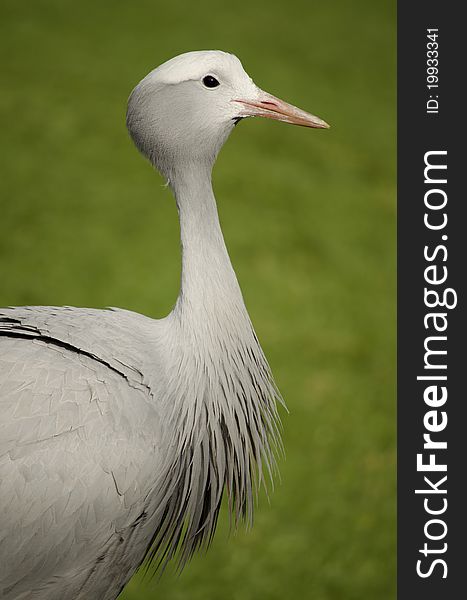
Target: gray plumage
(119, 433)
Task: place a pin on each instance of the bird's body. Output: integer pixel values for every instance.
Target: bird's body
(119, 433)
(94, 454)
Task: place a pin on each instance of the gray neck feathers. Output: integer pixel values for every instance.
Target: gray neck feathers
(224, 412)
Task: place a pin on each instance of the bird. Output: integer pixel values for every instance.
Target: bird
(120, 434)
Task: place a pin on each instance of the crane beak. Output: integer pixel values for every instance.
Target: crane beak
(271, 107)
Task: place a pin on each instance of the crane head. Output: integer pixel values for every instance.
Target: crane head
(183, 111)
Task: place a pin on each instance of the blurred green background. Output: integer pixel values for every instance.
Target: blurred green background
(309, 220)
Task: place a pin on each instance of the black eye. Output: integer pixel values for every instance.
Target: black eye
(210, 81)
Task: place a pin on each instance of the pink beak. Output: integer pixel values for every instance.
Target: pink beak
(271, 107)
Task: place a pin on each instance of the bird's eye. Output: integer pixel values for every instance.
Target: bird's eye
(210, 81)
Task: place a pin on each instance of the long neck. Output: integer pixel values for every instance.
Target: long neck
(221, 399)
(208, 283)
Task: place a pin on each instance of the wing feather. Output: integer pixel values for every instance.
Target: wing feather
(79, 450)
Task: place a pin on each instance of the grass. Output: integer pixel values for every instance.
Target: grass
(309, 219)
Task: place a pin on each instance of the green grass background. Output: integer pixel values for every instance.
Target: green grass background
(309, 219)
